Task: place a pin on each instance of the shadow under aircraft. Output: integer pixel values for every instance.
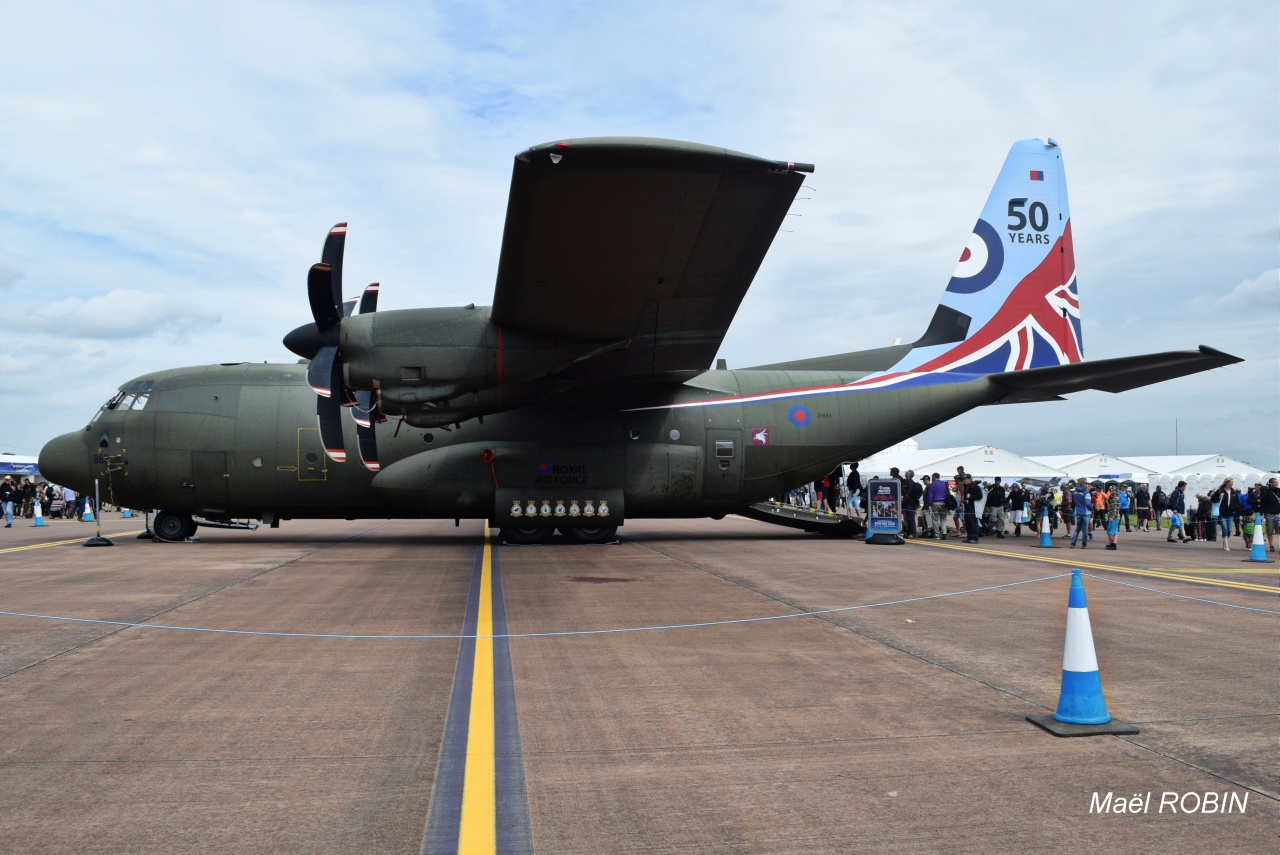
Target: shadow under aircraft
(585, 396)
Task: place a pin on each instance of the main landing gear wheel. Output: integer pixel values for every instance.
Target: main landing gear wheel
(526, 536)
(173, 527)
(601, 534)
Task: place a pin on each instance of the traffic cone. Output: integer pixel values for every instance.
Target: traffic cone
(1046, 536)
(1258, 552)
(1082, 711)
(88, 512)
(125, 514)
(1080, 701)
(39, 520)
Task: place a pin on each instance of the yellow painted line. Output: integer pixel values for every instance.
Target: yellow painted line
(1220, 570)
(478, 827)
(1071, 562)
(65, 542)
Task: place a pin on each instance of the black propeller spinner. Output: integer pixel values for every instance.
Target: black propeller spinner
(318, 341)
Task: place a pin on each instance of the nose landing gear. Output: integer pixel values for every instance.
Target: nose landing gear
(173, 527)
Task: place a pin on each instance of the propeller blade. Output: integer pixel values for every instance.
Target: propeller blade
(329, 411)
(324, 309)
(368, 439)
(366, 416)
(348, 306)
(369, 300)
(320, 371)
(332, 256)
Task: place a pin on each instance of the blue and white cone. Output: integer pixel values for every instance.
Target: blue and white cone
(1258, 552)
(39, 519)
(1080, 701)
(125, 514)
(88, 512)
(1046, 537)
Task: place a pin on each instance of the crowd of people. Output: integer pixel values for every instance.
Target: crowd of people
(965, 507)
(19, 499)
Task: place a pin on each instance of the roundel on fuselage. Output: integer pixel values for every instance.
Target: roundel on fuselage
(980, 263)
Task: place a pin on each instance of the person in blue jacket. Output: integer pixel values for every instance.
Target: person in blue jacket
(1084, 510)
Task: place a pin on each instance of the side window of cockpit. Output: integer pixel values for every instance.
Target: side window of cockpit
(128, 401)
(133, 396)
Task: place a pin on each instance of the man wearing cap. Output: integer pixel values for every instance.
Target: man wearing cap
(8, 495)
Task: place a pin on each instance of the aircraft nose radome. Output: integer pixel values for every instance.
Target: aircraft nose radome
(64, 461)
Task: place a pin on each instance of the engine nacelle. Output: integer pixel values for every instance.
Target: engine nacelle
(439, 366)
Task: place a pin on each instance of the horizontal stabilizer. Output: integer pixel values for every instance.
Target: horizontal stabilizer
(1106, 375)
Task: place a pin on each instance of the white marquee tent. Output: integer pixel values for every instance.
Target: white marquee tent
(982, 461)
(1097, 465)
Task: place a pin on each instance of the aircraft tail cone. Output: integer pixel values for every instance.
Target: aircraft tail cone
(1082, 711)
(1046, 536)
(39, 518)
(1258, 552)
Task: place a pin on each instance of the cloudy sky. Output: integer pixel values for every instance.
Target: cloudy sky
(168, 172)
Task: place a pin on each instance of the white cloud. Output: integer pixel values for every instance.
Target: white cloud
(120, 314)
(1260, 294)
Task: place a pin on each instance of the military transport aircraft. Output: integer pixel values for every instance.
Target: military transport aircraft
(584, 395)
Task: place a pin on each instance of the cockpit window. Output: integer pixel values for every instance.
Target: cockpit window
(132, 396)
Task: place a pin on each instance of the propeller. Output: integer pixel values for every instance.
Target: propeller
(318, 341)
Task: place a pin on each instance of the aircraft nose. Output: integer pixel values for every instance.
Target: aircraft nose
(64, 460)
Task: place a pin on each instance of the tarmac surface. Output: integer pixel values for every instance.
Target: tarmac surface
(170, 719)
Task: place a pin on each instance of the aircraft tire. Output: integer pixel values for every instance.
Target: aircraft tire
(600, 534)
(527, 536)
(173, 527)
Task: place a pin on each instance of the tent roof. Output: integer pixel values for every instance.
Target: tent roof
(981, 460)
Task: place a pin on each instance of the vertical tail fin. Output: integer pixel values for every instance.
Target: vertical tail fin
(1012, 301)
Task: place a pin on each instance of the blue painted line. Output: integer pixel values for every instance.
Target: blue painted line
(444, 818)
(514, 831)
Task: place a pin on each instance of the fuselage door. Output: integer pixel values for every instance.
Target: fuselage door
(722, 474)
(209, 471)
(312, 464)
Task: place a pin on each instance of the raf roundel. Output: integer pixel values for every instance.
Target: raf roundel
(799, 415)
(980, 262)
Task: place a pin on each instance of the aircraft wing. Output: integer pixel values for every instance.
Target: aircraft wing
(648, 245)
(1107, 375)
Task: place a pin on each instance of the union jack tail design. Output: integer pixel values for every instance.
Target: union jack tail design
(1013, 301)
